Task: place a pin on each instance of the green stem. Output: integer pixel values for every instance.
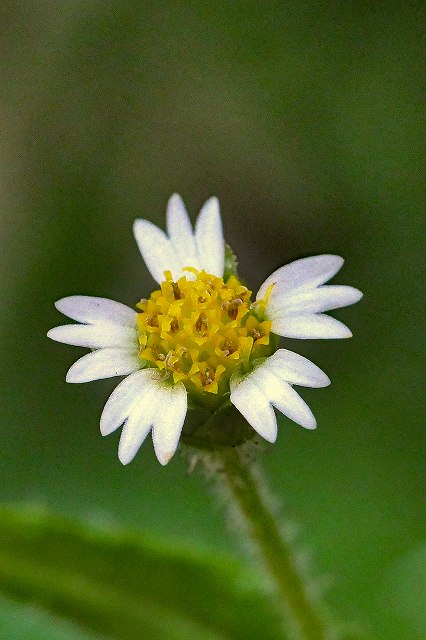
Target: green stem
(246, 494)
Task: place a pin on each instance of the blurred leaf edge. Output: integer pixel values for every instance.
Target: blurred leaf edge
(123, 585)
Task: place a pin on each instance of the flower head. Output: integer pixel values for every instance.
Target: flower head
(200, 335)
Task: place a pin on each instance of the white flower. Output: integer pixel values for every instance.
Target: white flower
(202, 336)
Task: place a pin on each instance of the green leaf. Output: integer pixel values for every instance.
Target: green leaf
(26, 622)
(125, 587)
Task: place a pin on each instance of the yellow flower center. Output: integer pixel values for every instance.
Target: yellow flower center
(201, 331)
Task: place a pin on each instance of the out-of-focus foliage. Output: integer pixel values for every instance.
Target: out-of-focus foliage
(304, 119)
(126, 587)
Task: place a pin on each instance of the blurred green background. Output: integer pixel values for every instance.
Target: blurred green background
(304, 118)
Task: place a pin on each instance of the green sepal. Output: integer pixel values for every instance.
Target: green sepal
(225, 427)
(231, 264)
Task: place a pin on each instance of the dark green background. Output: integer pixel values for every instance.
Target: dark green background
(304, 118)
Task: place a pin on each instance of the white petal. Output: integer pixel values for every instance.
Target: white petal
(181, 235)
(253, 405)
(97, 336)
(91, 310)
(138, 424)
(295, 408)
(209, 238)
(310, 325)
(120, 403)
(104, 363)
(156, 249)
(168, 421)
(283, 396)
(306, 273)
(295, 369)
(134, 433)
(313, 300)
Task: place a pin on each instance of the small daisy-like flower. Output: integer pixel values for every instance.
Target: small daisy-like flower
(200, 335)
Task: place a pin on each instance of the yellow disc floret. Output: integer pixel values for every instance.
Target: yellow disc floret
(201, 331)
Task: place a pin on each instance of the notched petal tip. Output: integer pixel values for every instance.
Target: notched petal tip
(59, 303)
(357, 295)
(337, 259)
(212, 202)
(59, 333)
(330, 260)
(72, 378)
(325, 382)
(103, 429)
(125, 458)
(139, 225)
(64, 305)
(165, 458)
(176, 213)
(175, 199)
(310, 424)
(343, 333)
(144, 229)
(269, 437)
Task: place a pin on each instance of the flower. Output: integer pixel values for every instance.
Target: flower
(200, 336)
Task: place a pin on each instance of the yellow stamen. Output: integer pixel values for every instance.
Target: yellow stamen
(201, 331)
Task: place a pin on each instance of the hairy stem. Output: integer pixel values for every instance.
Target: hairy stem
(247, 495)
